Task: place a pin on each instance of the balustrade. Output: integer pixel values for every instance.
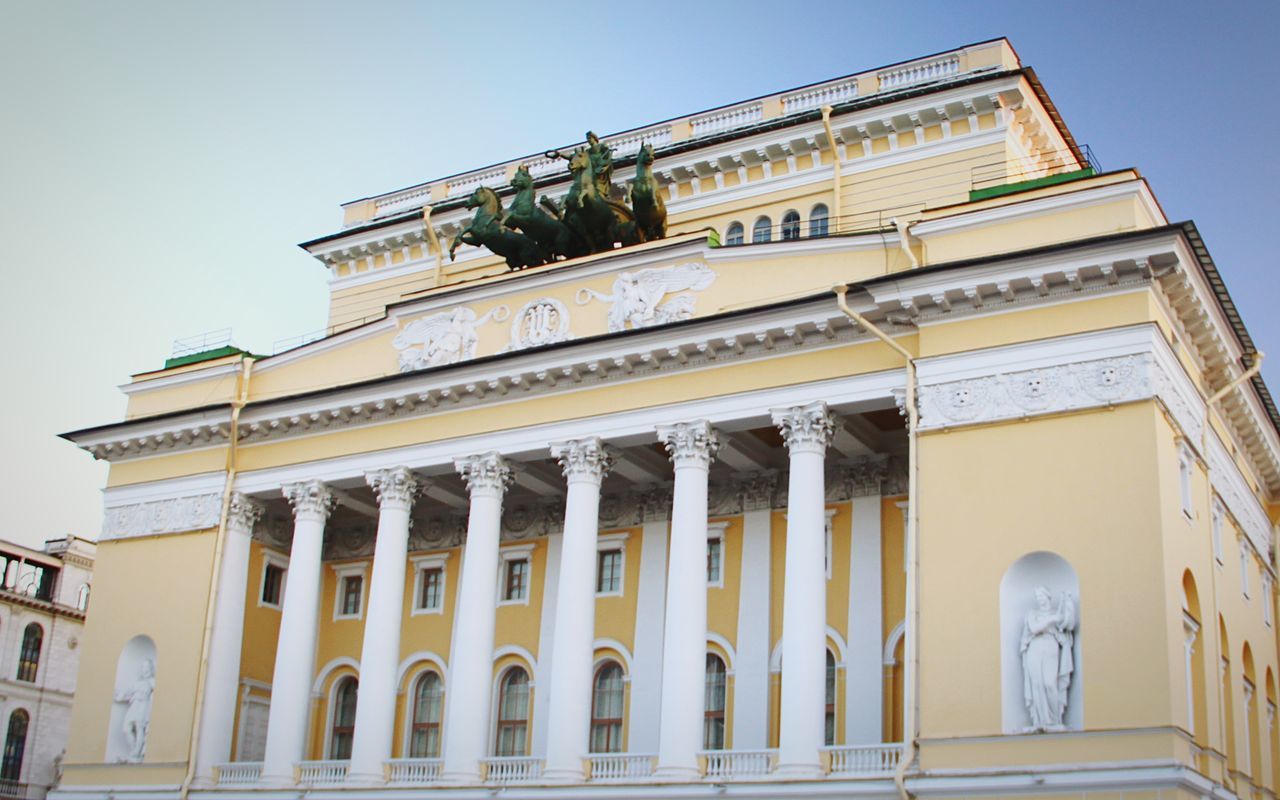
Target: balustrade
(919, 72)
(621, 766)
(728, 119)
(412, 771)
(738, 764)
(322, 773)
(873, 759)
(239, 773)
(820, 96)
(512, 769)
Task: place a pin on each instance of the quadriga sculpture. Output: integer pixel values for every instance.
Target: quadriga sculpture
(486, 229)
(553, 237)
(646, 198)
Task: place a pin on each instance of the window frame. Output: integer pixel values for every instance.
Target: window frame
(767, 229)
(612, 542)
(825, 219)
(270, 558)
(334, 708)
(832, 709)
(8, 758)
(25, 660)
(343, 572)
(715, 532)
(506, 556)
(500, 722)
(710, 715)
(618, 721)
(414, 724)
(794, 226)
(728, 234)
(421, 566)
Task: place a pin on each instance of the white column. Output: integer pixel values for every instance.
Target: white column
(380, 653)
(217, 718)
(468, 691)
(585, 463)
(691, 446)
(296, 647)
(751, 667)
(864, 659)
(806, 430)
(646, 682)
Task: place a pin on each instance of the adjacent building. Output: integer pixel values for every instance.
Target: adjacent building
(919, 457)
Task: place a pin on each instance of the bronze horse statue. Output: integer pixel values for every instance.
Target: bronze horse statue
(646, 198)
(553, 237)
(486, 229)
(596, 219)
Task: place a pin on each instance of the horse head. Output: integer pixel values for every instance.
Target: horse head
(644, 158)
(522, 179)
(486, 198)
(580, 161)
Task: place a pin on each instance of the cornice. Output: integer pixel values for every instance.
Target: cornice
(170, 381)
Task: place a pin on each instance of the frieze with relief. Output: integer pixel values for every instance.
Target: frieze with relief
(444, 338)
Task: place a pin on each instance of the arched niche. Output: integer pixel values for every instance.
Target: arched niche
(1019, 601)
(131, 701)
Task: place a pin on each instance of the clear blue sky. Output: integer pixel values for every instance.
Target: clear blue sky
(160, 160)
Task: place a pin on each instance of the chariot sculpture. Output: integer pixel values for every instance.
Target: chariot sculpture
(589, 220)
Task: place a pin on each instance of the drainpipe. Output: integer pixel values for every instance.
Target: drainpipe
(232, 463)
(910, 699)
(835, 168)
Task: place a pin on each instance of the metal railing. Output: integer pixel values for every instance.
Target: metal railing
(14, 790)
(1010, 171)
(738, 764)
(201, 342)
(237, 773)
(322, 773)
(512, 769)
(403, 771)
(620, 766)
(870, 759)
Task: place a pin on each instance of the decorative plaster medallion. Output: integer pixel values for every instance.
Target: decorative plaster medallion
(637, 297)
(444, 338)
(539, 322)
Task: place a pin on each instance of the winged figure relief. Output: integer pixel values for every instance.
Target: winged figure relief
(638, 297)
(444, 338)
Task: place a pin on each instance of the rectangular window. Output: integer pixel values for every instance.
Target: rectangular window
(352, 593)
(609, 572)
(431, 589)
(272, 584)
(1184, 480)
(515, 586)
(715, 561)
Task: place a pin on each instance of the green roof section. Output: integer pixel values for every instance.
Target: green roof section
(1035, 183)
(206, 355)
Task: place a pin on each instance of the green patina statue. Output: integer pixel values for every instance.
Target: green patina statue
(589, 220)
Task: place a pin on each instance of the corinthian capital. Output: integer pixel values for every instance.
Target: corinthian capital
(309, 497)
(805, 428)
(243, 512)
(583, 459)
(396, 486)
(484, 472)
(690, 443)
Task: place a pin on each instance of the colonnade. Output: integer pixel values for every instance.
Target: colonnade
(692, 448)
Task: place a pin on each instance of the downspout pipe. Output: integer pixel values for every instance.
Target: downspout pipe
(835, 169)
(911, 694)
(232, 465)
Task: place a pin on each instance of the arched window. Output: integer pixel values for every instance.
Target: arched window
(29, 656)
(762, 231)
(830, 736)
(513, 713)
(713, 706)
(734, 233)
(606, 709)
(344, 719)
(818, 221)
(791, 225)
(424, 740)
(15, 745)
(82, 597)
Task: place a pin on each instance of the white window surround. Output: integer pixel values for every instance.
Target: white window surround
(519, 552)
(344, 571)
(1244, 568)
(274, 559)
(618, 542)
(1185, 460)
(421, 564)
(1267, 599)
(715, 531)
(1218, 514)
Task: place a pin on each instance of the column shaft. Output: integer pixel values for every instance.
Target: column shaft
(217, 719)
(864, 661)
(691, 446)
(468, 692)
(380, 652)
(751, 667)
(646, 681)
(584, 463)
(804, 602)
(296, 647)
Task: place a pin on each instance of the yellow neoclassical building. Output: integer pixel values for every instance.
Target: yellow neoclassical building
(861, 439)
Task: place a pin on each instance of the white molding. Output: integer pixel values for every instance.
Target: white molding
(271, 558)
(609, 542)
(169, 381)
(506, 555)
(322, 674)
(341, 572)
(731, 656)
(715, 531)
(891, 643)
(409, 665)
(616, 646)
(421, 564)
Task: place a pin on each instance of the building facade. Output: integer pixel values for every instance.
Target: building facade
(43, 598)
(919, 457)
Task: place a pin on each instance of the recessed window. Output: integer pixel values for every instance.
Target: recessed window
(831, 701)
(609, 572)
(713, 704)
(344, 719)
(1267, 599)
(818, 221)
(428, 701)
(762, 231)
(606, 709)
(791, 226)
(29, 655)
(513, 713)
(1244, 569)
(431, 592)
(715, 560)
(734, 233)
(272, 584)
(515, 584)
(1217, 530)
(1184, 480)
(15, 747)
(352, 593)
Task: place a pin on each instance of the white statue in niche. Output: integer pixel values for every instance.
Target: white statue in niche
(444, 338)
(637, 297)
(1047, 663)
(137, 715)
